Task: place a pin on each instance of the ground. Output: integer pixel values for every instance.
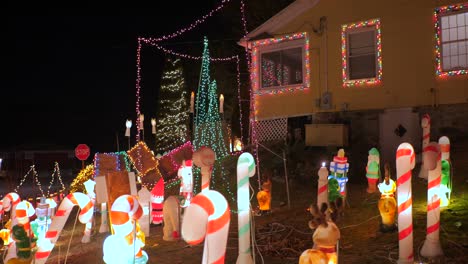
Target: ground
(281, 236)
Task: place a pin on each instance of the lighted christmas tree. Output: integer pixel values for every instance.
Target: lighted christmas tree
(173, 118)
(208, 126)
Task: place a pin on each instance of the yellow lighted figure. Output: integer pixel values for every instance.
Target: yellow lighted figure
(387, 202)
(264, 197)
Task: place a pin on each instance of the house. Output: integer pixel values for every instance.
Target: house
(361, 73)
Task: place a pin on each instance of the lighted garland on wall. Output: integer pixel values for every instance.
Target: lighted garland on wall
(256, 65)
(344, 53)
(438, 34)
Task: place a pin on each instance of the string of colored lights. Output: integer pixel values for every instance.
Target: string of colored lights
(239, 96)
(59, 177)
(192, 25)
(85, 174)
(138, 87)
(35, 179)
(344, 53)
(137, 161)
(187, 56)
(438, 35)
(115, 155)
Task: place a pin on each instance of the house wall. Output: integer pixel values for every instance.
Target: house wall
(408, 60)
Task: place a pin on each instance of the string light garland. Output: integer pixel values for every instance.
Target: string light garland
(35, 179)
(192, 25)
(138, 87)
(344, 53)
(438, 12)
(186, 56)
(142, 151)
(59, 177)
(120, 157)
(85, 174)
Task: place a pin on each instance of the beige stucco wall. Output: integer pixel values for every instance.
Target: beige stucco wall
(408, 60)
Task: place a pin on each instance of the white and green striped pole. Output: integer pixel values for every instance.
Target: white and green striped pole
(245, 169)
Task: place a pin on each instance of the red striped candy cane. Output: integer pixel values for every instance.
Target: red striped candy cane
(405, 161)
(123, 246)
(9, 202)
(431, 246)
(46, 245)
(426, 127)
(208, 215)
(204, 158)
(24, 210)
(322, 193)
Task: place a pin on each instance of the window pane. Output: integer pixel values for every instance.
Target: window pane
(453, 49)
(454, 61)
(292, 62)
(453, 21)
(445, 35)
(446, 63)
(444, 22)
(461, 32)
(282, 67)
(453, 34)
(362, 67)
(362, 43)
(461, 19)
(463, 61)
(270, 63)
(462, 47)
(445, 50)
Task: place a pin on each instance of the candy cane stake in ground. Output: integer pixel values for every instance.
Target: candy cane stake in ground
(426, 127)
(322, 193)
(207, 218)
(431, 247)
(81, 200)
(405, 161)
(245, 169)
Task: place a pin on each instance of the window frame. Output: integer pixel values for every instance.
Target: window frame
(363, 26)
(439, 12)
(277, 44)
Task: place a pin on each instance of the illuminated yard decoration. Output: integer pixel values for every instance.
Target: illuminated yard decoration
(431, 247)
(387, 203)
(322, 193)
(257, 67)
(171, 214)
(81, 200)
(157, 199)
(344, 53)
(445, 181)
(405, 161)
(144, 197)
(426, 128)
(9, 203)
(208, 129)
(89, 186)
(339, 168)
(245, 170)
(125, 245)
(207, 218)
(373, 169)
(438, 12)
(186, 183)
(205, 158)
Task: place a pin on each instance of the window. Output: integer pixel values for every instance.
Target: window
(452, 40)
(280, 64)
(361, 53)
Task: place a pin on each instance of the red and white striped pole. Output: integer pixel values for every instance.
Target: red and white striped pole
(431, 247)
(322, 193)
(405, 161)
(426, 127)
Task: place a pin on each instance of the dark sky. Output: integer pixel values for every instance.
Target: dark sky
(73, 78)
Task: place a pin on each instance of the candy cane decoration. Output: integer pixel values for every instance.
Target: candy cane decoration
(9, 202)
(24, 210)
(405, 161)
(322, 192)
(124, 246)
(204, 158)
(431, 246)
(89, 186)
(208, 215)
(46, 245)
(245, 169)
(445, 181)
(426, 126)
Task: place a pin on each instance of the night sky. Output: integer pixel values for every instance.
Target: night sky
(73, 77)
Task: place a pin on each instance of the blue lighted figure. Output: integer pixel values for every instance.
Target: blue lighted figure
(339, 168)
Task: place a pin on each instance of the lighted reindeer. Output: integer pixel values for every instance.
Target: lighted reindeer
(326, 234)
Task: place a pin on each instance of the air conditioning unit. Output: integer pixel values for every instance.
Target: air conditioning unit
(325, 101)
